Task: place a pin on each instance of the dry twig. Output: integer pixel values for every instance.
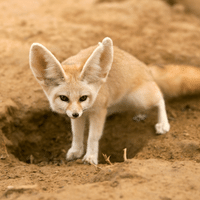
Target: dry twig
(107, 159)
(125, 155)
(3, 150)
(31, 159)
(97, 167)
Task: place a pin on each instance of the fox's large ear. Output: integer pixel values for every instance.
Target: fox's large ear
(99, 63)
(45, 67)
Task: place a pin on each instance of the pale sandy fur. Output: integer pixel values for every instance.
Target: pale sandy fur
(177, 80)
(118, 85)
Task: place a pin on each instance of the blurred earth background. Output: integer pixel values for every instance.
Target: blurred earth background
(34, 140)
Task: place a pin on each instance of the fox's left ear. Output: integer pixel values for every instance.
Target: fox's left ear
(45, 67)
(99, 63)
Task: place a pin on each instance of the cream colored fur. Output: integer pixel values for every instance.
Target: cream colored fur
(109, 78)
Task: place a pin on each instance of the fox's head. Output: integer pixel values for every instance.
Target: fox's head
(72, 87)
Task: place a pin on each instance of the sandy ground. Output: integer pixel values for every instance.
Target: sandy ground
(34, 141)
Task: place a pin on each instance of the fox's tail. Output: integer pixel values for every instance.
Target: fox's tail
(177, 80)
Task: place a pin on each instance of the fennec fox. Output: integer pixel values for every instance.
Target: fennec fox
(103, 79)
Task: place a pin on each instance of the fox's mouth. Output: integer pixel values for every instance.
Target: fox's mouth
(73, 117)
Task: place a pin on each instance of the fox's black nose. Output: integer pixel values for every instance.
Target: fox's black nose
(75, 115)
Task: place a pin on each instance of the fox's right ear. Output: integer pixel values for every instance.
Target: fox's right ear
(45, 67)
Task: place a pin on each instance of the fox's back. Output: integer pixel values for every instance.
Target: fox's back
(127, 73)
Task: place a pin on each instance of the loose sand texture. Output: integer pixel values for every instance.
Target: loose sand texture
(34, 140)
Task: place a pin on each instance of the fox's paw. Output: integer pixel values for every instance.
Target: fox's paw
(162, 128)
(90, 159)
(73, 154)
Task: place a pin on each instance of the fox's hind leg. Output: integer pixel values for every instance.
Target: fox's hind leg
(148, 95)
(163, 125)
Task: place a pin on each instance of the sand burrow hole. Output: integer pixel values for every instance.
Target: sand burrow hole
(44, 136)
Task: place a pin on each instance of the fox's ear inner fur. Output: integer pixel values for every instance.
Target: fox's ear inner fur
(99, 63)
(45, 67)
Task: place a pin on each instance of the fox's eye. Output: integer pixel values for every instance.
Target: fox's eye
(83, 98)
(64, 98)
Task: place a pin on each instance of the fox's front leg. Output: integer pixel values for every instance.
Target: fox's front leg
(77, 148)
(96, 120)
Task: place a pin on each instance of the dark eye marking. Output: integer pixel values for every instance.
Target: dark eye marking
(64, 98)
(83, 98)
